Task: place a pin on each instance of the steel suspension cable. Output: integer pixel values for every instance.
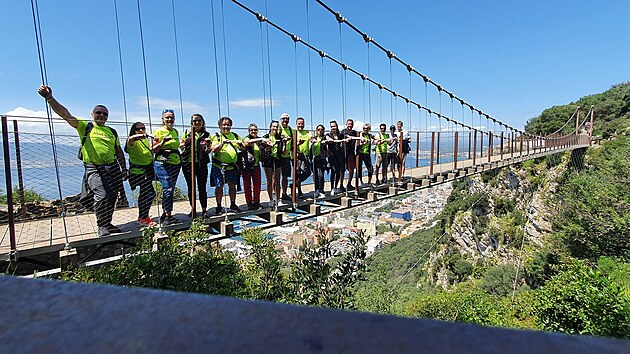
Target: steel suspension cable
(262, 62)
(383, 49)
(567, 122)
(268, 62)
(225, 62)
(216, 59)
(51, 129)
(310, 81)
(343, 103)
(345, 67)
(146, 87)
(369, 86)
(179, 79)
(120, 61)
(391, 98)
(295, 70)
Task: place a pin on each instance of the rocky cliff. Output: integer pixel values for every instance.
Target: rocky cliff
(504, 215)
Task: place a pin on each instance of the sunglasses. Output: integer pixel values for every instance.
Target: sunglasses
(141, 128)
(101, 113)
(196, 120)
(253, 130)
(168, 111)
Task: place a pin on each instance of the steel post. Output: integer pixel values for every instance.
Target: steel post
(432, 150)
(9, 186)
(474, 156)
(455, 150)
(18, 160)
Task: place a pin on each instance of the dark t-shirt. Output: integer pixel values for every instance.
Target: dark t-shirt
(335, 150)
(351, 146)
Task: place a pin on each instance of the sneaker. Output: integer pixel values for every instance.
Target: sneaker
(378, 182)
(218, 210)
(169, 220)
(251, 207)
(286, 197)
(102, 231)
(341, 190)
(316, 194)
(234, 208)
(257, 206)
(350, 187)
(300, 194)
(146, 222)
(113, 229)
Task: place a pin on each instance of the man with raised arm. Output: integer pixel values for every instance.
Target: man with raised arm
(103, 160)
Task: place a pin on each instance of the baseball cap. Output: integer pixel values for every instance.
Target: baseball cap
(284, 115)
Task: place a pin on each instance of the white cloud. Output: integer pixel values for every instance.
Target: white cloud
(34, 124)
(253, 103)
(163, 103)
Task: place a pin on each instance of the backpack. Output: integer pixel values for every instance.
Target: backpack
(204, 156)
(88, 129)
(246, 159)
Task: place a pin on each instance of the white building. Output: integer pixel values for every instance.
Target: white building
(372, 245)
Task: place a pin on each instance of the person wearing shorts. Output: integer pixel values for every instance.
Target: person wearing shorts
(225, 147)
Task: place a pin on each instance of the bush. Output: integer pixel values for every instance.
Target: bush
(178, 194)
(464, 304)
(182, 262)
(317, 281)
(582, 300)
(499, 280)
(30, 196)
(594, 205)
(263, 269)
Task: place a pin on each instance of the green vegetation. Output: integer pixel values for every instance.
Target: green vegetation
(594, 205)
(188, 262)
(582, 300)
(612, 113)
(30, 196)
(177, 195)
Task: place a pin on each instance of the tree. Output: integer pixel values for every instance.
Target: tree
(317, 281)
(263, 269)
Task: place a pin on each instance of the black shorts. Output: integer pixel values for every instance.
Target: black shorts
(285, 163)
(393, 158)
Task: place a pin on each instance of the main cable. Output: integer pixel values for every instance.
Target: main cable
(383, 49)
(179, 80)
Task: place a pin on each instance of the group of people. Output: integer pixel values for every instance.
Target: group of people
(161, 154)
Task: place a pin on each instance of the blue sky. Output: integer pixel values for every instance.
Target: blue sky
(509, 59)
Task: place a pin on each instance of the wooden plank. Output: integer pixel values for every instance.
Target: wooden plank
(42, 234)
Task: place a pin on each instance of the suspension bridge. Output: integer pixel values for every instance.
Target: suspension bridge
(448, 140)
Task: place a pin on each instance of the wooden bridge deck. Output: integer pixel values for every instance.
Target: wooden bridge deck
(49, 235)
